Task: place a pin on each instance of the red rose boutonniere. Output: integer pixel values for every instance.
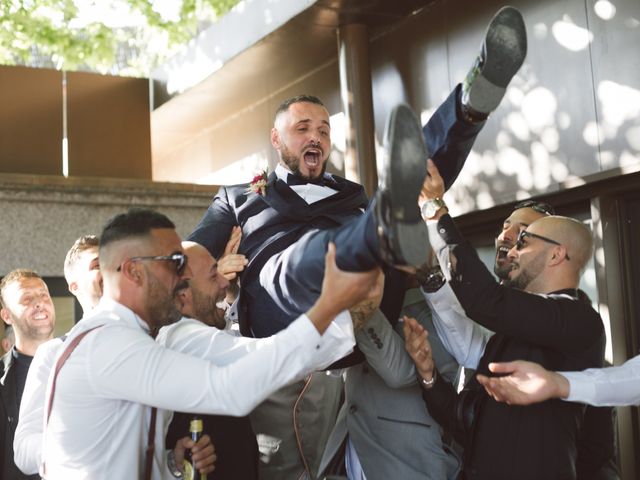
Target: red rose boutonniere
(259, 184)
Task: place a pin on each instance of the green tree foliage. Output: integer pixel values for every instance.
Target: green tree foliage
(59, 33)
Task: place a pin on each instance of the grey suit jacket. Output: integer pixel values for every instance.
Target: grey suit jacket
(384, 414)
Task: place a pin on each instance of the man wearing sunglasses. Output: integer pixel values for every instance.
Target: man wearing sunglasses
(104, 383)
(556, 326)
(82, 273)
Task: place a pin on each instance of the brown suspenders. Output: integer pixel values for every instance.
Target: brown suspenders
(152, 426)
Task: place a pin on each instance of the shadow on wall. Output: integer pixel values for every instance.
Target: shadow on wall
(573, 110)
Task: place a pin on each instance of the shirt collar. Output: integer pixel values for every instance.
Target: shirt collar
(122, 311)
(281, 172)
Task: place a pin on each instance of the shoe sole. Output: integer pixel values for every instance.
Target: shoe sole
(405, 174)
(505, 48)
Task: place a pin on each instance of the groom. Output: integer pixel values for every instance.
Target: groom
(288, 217)
(300, 197)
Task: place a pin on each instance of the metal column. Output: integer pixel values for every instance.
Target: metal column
(355, 92)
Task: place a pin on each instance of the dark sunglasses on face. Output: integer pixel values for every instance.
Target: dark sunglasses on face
(179, 259)
(524, 234)
(539, 207)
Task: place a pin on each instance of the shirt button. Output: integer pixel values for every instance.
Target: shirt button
(317, 347)
(353, 409)
(442, 230)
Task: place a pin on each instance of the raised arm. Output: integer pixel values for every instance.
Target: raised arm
(237, 388)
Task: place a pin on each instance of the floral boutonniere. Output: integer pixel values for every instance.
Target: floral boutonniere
(259, 184)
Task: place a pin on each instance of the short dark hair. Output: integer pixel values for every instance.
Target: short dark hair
(284, 106)
(540, 207)
(16, 275)
(137, 222)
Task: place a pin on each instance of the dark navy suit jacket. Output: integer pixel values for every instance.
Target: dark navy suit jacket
(271, 223)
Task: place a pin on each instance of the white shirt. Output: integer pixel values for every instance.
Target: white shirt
(310, 192)
(462, 337)
(99, 422)
(612, 386)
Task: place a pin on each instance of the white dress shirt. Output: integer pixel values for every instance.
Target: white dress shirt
(309, 192)
(27, 442)
(611, 386)
(99, 422)
(462, 337)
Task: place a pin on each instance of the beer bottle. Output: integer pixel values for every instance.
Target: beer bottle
(190, 470)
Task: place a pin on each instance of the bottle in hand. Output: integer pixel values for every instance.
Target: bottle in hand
(190, 470)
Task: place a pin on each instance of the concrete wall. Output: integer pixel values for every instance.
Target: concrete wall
(40, 217)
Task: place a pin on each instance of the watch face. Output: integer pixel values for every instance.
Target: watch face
(430, 208)
(433, 280)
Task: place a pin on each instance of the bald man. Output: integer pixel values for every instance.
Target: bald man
(543, 317)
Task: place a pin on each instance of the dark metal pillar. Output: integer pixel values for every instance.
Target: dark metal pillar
(357, 101)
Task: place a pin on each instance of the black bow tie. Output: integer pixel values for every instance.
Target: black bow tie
(298, 180)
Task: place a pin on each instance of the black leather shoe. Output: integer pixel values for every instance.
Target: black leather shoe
(402, 232)
(502, 54)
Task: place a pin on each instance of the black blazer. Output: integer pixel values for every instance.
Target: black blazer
(560, 330)
(9, 409)
(271, 223)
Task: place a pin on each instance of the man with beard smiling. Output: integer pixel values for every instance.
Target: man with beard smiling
(557, 326)
(466, 340)
(82, 273)
(25, 304)
(111, 372)
(233, 437)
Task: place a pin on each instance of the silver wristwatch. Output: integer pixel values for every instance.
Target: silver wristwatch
(431, 207)
(171, 464)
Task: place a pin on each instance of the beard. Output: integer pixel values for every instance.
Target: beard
(206, 310)
(293, 164)
(527, 274)
(162, 308)
(39, 331)
(502, 270)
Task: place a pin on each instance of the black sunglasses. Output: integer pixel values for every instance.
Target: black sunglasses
(524, 234)
(178, 258)
(539, 207)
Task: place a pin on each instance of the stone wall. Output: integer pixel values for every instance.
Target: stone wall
(41, 216)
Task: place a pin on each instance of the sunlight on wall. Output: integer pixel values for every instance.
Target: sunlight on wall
(619, 103)
(539, 108)
(605, 9)
(571, 36)
(241, 171)
(199, 68)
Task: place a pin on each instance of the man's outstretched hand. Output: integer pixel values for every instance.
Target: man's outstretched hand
(525, 383)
